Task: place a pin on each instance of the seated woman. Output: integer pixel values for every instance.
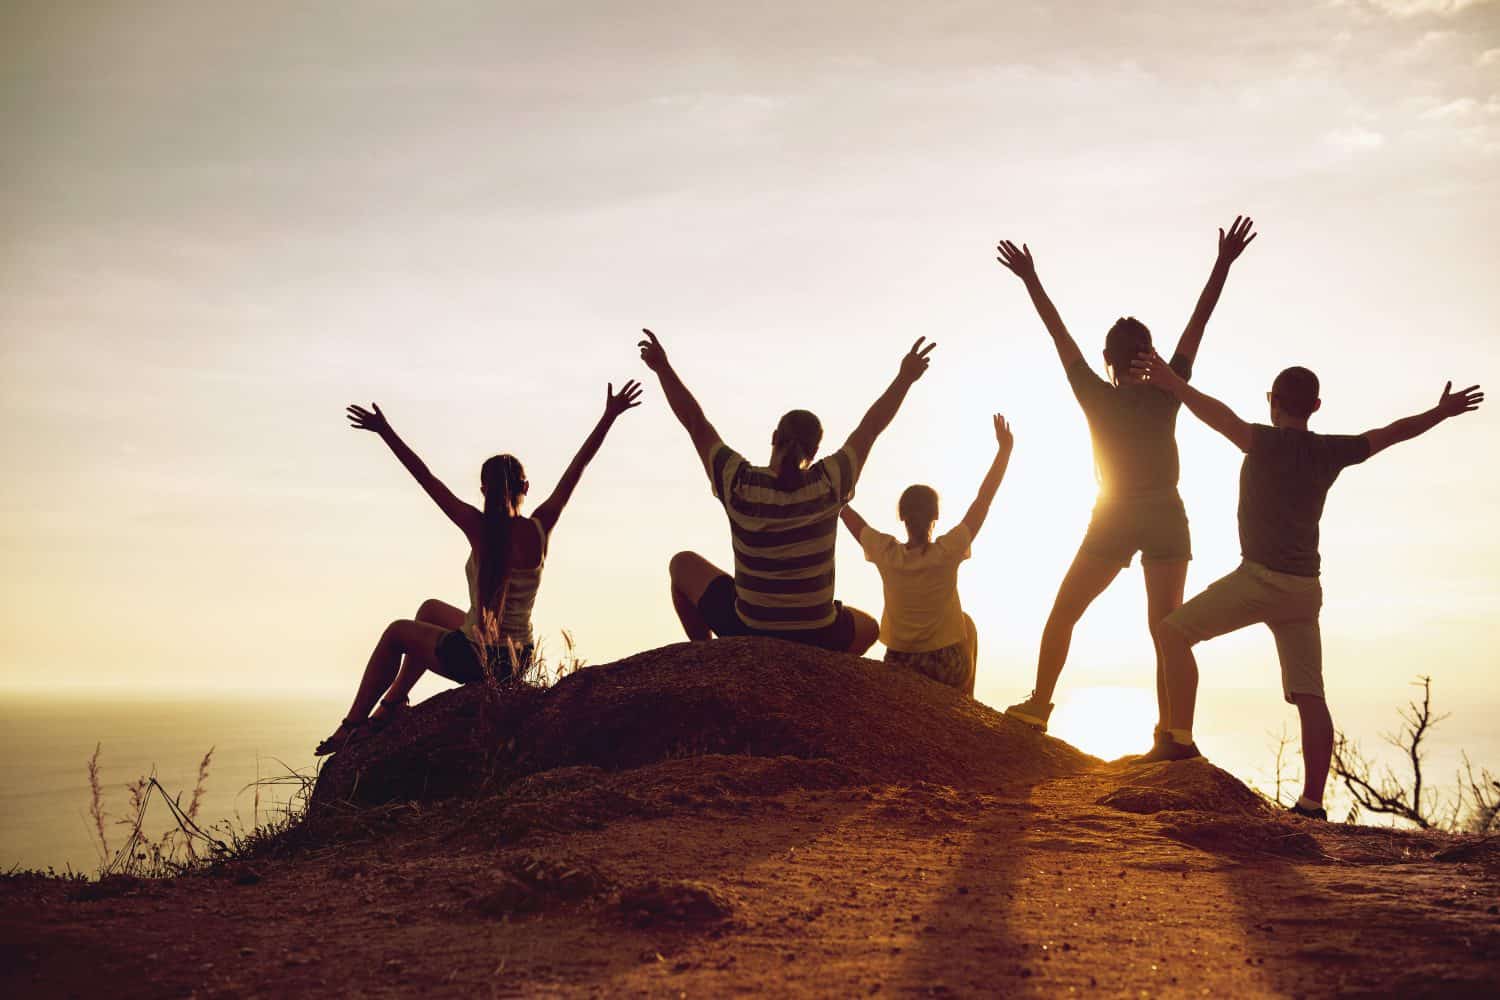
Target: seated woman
(924, 626)
(506, 555)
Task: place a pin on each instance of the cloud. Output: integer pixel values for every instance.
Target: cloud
(1460, 108)
(1354, 138)
(1420, 8)
(1489, 57)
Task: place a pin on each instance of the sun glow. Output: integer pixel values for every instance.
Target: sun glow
(1107, 722)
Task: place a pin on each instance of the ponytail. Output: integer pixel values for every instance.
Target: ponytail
(504, 486)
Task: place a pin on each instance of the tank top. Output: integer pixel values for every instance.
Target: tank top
(520, 596)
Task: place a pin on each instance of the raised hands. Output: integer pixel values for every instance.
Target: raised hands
(1234, 242)
(362, 419)
(915, 363)
(628, 398)
(1003, 436)
(652, 353)
(1151, 368)
(1018, 259)
(1464, 401)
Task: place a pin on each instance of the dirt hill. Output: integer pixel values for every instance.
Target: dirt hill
(746, 816)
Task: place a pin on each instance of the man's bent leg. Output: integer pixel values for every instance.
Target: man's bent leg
(691, 575)
(866, 631)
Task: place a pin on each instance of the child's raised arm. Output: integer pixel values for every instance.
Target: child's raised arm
(980, 508)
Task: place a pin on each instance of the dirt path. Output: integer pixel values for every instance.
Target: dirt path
(911, 890)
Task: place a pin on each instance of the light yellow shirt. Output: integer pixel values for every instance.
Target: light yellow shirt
(922, 611)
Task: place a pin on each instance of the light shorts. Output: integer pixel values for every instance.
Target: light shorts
(1252, 594)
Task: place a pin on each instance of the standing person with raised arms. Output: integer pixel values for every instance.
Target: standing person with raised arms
(923, 625)
(1133, 428)
(1284, 481)
(504, 570)
(783, 521)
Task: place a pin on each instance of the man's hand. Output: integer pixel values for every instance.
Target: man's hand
(1019, 259)
(1465, 400)
(1003, 436)
(652, 352)
(1233, 243)
(616, 403)
(362, 419)
(1150, 368)
(915, 362)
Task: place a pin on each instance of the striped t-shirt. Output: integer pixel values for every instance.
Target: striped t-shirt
(783, 537)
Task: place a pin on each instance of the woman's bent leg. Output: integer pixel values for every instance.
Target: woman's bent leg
(419, 644)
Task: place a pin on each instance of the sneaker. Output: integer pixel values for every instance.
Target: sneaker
(1158, 735)
(1033, 711)
(1297, 809)
(1170, 749)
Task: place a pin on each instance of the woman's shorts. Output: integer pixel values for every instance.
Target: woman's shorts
(1155, 526)
(950, 665)
(458, 659)
(717, 609)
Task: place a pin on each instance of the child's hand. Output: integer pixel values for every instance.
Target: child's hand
(1003, 435)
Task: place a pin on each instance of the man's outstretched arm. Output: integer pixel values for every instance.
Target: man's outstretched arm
(1450, 404)
(880, 415)
(683, 405)
(1154, 369)
(1231, 245)
(1018, 260)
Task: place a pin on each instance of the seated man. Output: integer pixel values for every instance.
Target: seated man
(1283, 483)
(783, 519)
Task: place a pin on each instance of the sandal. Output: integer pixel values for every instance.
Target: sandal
(349, 727)
(392, 710)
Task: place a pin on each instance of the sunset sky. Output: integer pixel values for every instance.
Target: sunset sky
(224, 222)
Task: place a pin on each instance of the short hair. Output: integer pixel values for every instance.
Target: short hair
(918, 506)
(1296, 391)
(1127, 338)
(801, 432)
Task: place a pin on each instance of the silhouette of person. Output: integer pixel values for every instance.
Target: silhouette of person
(504, 570)
(1138, 509)
(923, 625)
(1284, 481)
(783, 521)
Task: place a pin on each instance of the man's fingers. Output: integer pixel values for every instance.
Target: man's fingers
(927, 350)
(916, 345)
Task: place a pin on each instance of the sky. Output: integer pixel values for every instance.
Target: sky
(224, 222)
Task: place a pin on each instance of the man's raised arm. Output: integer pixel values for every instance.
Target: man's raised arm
(683, 405)
(1154, 369)
(1018, 260)
(1231, 245)
(1450, 404)
(880, 415)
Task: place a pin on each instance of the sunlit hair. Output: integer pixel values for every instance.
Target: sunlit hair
(505, 484)
(1126, 339)
(800, 432)
(1296, 392)
(918, 509)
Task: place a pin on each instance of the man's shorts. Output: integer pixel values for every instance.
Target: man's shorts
(717, 609)
(1252, 594)
(1155, 526)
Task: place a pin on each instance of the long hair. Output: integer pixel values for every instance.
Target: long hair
(504, 485)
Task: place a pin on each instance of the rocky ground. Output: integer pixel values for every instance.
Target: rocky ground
(750, 817)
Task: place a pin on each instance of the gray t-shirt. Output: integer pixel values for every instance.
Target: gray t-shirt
(1134, 430)
(1283, 483)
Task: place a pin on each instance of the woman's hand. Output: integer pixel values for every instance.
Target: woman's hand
(616, 403)
(1003, 436)
(1238, 238)
(362, 419)
(1018, 259)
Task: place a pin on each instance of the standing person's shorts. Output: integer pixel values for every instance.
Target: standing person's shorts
(1253, 594)
(717, 609)
(1156, 526)
(458, 659)
(952, 665)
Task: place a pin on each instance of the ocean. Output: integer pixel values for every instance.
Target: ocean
(46, 743)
